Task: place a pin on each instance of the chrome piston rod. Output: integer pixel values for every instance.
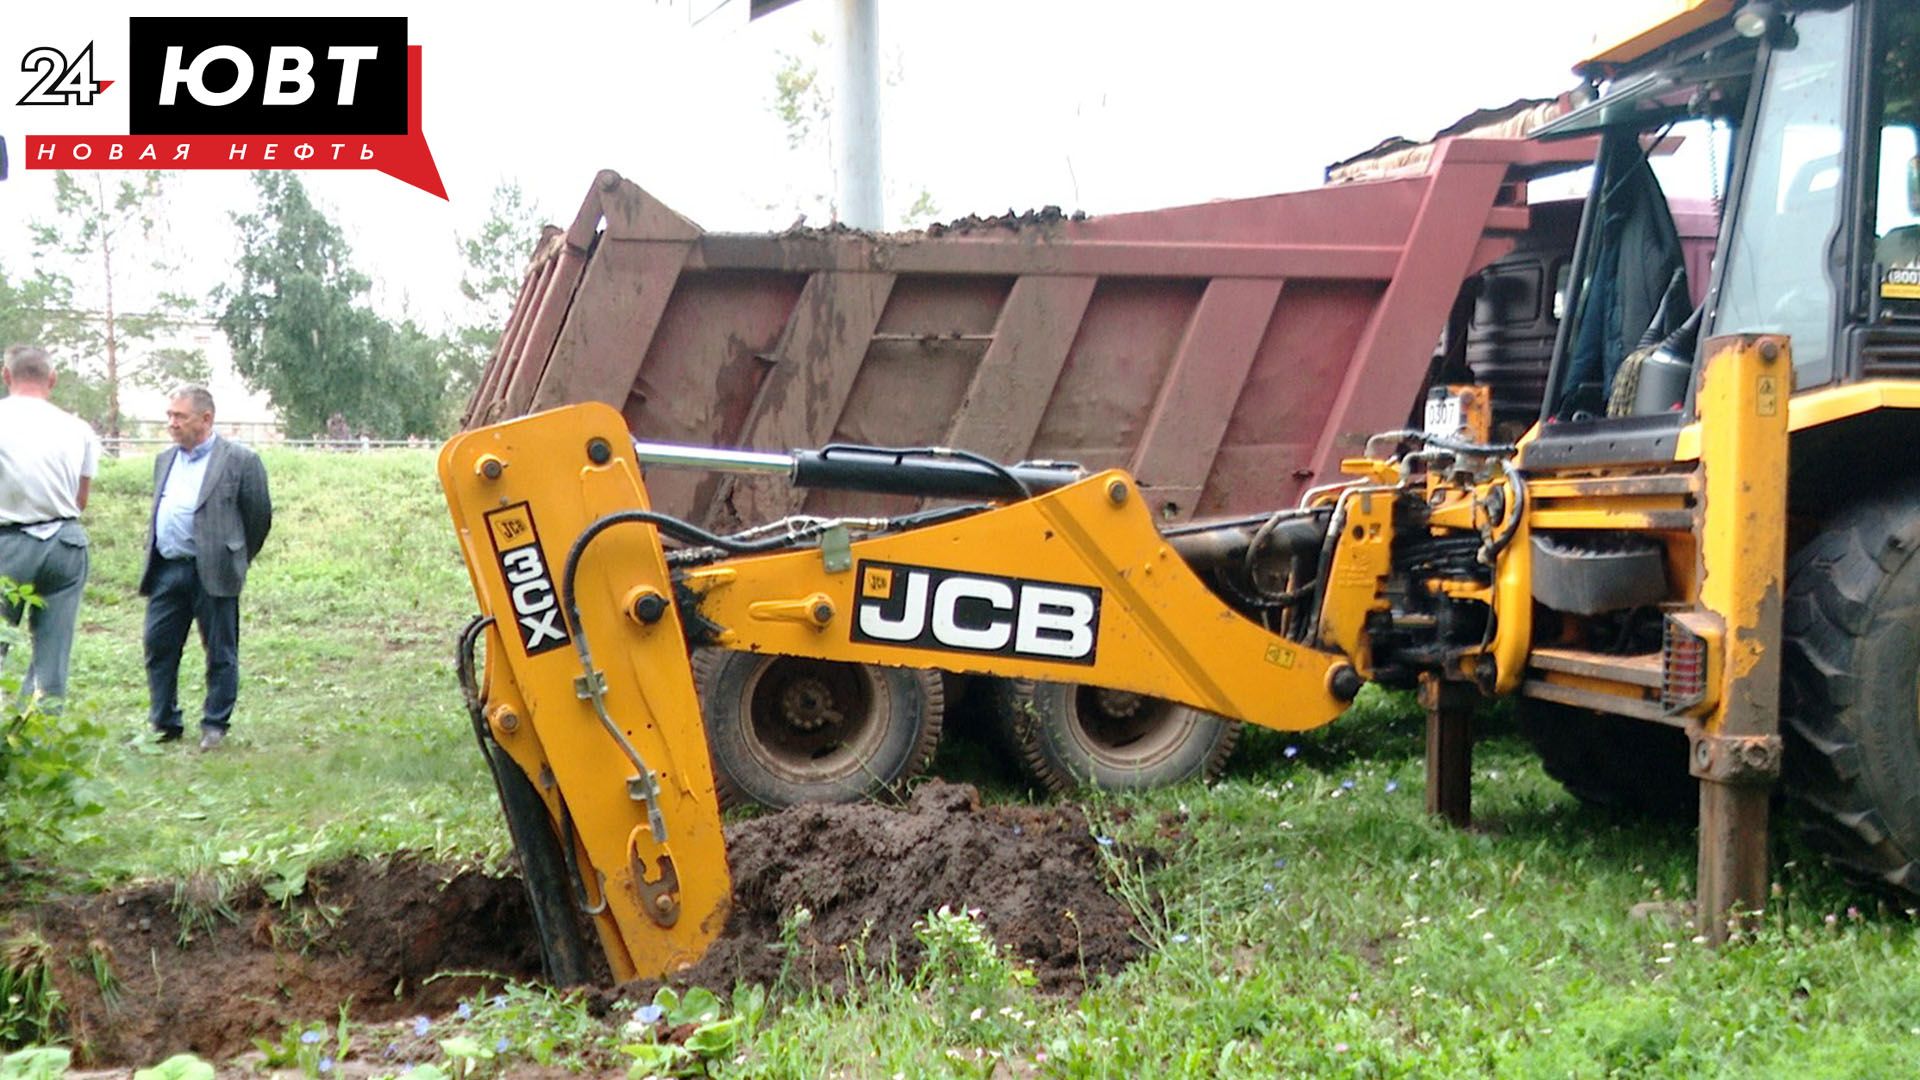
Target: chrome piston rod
(676, 456)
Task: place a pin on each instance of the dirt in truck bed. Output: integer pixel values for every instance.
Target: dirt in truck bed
(1012, 221)
(191, 970)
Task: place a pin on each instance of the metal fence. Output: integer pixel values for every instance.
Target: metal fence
(124, 444)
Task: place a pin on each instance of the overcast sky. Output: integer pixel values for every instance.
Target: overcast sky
(1098, 105)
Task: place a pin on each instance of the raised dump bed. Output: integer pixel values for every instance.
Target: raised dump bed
(1228, 354)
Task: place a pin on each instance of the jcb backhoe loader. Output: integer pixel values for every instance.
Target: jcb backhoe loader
(1714, 461)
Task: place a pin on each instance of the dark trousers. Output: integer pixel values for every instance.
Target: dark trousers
(176, 601)
(57, 569)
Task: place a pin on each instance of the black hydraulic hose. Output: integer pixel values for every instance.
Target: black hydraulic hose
(1253, 546)
(645, 787)
(560, 947)
(1446, 442)
(695, 555)
(465, 669)
(1466, 447)
(1316, 589)
(920, 519)
(1511, 528)
(1286, 597)
(672, 526)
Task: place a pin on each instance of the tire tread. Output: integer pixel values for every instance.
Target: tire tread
(1836, 595)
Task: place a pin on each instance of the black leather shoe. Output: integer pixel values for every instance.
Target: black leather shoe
(167, 735)
(210, 738)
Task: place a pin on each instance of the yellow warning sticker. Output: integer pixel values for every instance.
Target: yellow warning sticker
(1767, 396)
(876, 583)
(1279, 655)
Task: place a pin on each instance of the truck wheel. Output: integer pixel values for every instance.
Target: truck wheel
(1070, 736)
(1850, 702)
(785, 730)
(1613, 761)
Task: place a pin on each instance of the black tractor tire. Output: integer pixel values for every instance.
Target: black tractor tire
(1850, 694)
(1613, 761)
(786, 730)
(1069, 736)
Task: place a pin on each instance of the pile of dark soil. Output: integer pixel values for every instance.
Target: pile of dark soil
(1045, 217)
(867, 873)
(191, 970)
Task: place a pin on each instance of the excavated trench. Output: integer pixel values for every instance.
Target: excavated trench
(152, 970)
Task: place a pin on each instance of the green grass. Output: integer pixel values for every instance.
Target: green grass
(1309, 920)
(349, 736)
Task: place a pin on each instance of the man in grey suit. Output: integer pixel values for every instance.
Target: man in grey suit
(211, 514)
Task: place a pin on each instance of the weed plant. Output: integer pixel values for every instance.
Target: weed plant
(30, 1005)
(46, 752)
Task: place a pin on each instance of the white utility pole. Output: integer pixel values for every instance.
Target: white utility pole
(856, 115)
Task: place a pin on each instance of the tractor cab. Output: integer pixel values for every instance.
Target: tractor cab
(1715, 549)
(1797, 122)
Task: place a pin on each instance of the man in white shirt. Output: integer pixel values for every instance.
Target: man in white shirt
(48, 458)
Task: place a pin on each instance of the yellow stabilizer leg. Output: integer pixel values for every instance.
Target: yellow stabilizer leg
(614, 746)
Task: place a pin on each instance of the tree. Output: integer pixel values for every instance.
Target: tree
(26, 308)
(301, 332)
(496, 256)
(98, 228)
(803, 103)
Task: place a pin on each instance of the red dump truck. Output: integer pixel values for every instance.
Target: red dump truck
(1228, 354)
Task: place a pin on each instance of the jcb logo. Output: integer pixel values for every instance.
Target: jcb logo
(928, 608)
(536, 607)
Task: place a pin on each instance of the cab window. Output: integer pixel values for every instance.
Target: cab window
(1895, 190)
(1776, 278)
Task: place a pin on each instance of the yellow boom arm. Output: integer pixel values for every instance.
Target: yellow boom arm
(589, 690)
